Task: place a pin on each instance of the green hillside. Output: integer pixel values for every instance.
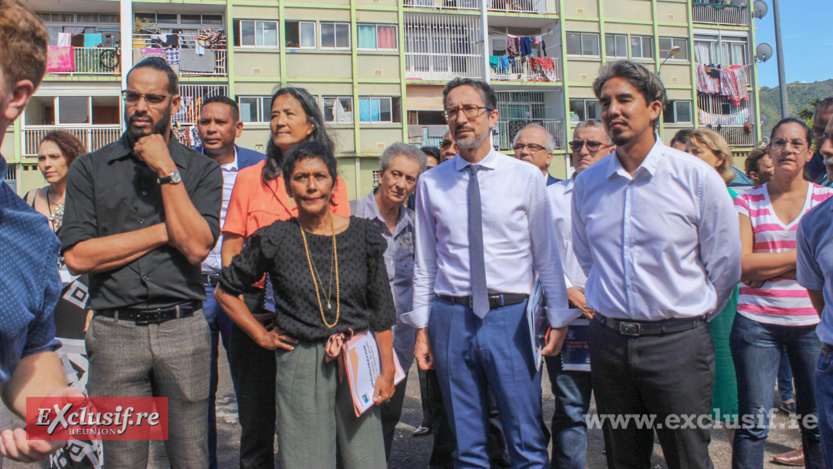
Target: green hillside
(798, 95)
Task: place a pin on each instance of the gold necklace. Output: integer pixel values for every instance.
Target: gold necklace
(312, 273)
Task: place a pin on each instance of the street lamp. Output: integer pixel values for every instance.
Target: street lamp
(674, 51)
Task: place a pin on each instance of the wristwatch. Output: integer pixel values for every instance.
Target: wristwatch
(173, 178)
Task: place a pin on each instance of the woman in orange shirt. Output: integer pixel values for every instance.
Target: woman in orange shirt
(259, 199)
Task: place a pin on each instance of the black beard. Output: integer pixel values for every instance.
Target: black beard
(161, 127)
(620, 141)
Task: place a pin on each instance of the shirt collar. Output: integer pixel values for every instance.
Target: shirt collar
(650, 163)
(490, 161)
(404, 218)
(122, 149)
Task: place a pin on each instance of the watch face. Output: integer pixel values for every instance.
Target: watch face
(176, 178)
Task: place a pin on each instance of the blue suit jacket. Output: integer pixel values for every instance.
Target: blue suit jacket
(245, 157)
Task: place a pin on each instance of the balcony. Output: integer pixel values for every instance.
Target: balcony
(735, 135)
(92, 136)
(426, 135)
(508, 128)
(84, 61)
(720, 13)
(536, 7)
(532, 70)
(185, 58)
(444, 4)
(441, 47)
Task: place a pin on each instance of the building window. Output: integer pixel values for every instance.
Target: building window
(338, 109)
(253, 33)
(616, 45)
(584, 44)
(378, 110)
(677, 112)
(375, 177)
(668, 43)
(255, 108)
(335, 35)
(377, 36)
(642, 47)
(300, 34)
(585, 109)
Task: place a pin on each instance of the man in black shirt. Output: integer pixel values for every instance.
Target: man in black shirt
(141, 215)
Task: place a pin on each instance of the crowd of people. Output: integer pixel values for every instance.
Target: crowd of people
(696, 299)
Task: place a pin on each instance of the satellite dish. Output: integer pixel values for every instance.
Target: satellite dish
(763, 52)
(759, 9)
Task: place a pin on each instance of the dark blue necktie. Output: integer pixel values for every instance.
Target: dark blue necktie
(477, 261)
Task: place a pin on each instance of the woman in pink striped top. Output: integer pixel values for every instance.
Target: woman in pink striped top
(774, 312)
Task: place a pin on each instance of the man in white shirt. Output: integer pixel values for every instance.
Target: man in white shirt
(219, 127)
(473, 276)
(572, 389)
(659, 242)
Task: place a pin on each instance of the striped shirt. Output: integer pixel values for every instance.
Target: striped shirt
(779, 300)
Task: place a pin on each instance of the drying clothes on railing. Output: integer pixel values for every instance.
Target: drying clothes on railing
(165, 41)
(729, 83)
(60, 59)
(543, 69)
(172, 56)
(526, 46)
(511, 45)
(739, 118)
(92, 40)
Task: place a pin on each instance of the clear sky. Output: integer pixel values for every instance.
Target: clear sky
(807, 37)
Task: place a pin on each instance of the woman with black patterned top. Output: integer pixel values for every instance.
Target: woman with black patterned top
(329, 277)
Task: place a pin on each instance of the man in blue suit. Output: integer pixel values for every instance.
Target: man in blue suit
(219, 127)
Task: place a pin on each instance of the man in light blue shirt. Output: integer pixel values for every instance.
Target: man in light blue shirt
(814, 264)
(475, 266)
(399, 169)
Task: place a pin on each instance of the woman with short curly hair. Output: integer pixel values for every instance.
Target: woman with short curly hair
(56, 152)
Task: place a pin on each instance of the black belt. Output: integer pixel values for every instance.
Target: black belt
(496, 300)
(211, 279)
(638, 328)
(143, 317)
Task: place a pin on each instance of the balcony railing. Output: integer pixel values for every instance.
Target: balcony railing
(527, 70)
(508, 128)
(426, 135)
(735, 135)
(730, 14)
(92, 136)
(524, 6)
(189, 62)
(93, 61)
(442, 67)
(444, 4)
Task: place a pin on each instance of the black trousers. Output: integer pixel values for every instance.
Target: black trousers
(390, 412)
(254, 369)
(654, 375)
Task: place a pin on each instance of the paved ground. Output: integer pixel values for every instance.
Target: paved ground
(413, 453)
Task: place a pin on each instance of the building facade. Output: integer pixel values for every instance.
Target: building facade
(378, 67)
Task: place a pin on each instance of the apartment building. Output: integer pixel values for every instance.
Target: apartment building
(377, 67)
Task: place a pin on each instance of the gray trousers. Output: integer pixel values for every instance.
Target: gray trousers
(314, 411)
(170, 360)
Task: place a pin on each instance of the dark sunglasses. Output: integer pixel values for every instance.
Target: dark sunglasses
(132, 97)
(592, 145)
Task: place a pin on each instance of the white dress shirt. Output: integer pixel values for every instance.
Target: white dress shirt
(214, 262)
(517, 234)
(561, 201)
(663, 243)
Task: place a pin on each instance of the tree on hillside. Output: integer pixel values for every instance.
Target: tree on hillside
(806, 113)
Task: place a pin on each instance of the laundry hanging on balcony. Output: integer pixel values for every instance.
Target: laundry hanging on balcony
(93, 40)
(729, 83)
(736, 119)
(64, 39)
(60, 59)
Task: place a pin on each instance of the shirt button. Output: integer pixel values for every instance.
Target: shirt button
(144, 192)
(141, 221)
(146, 278)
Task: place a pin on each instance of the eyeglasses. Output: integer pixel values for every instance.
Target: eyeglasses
(532, 147)
(780, 144)
(153, 100)
(445, 144)
(470, 110)
(592, 145)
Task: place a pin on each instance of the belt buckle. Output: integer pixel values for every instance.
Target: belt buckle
(632, 329)
(471, 302)
(144, 319)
